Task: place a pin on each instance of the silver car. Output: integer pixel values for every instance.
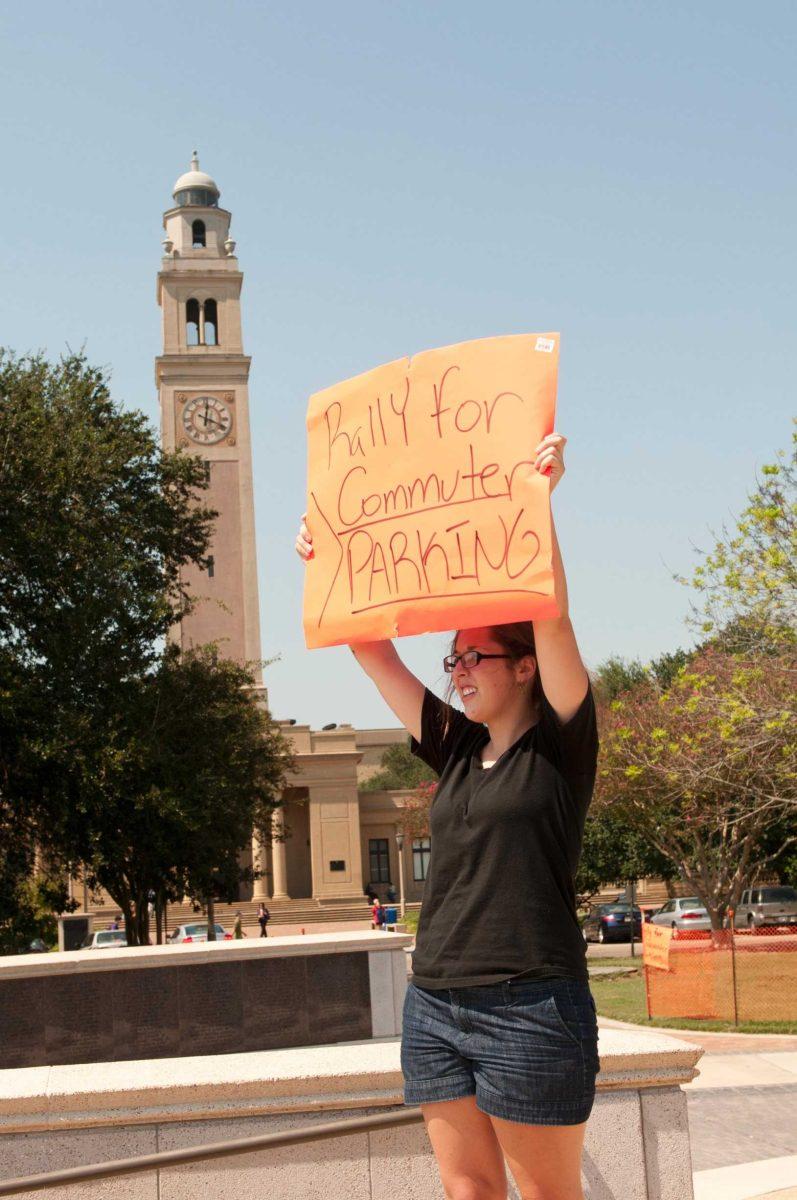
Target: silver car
(762, 906)
(685, 912)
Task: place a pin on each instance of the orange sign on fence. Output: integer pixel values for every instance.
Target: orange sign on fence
(656, 946)
(724, 976)
(423, 502)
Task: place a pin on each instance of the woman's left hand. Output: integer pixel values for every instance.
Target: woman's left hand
(550, 457)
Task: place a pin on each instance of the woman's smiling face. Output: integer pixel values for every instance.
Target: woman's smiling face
(486, 689)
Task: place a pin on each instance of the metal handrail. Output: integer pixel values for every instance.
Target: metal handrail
(170, 1158)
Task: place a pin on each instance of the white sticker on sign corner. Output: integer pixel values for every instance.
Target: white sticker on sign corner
(546, 345)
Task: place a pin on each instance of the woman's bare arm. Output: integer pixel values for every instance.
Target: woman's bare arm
(562, 673)
(399, 688)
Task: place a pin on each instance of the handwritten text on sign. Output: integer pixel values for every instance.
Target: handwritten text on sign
(423, 502)
(656, 941)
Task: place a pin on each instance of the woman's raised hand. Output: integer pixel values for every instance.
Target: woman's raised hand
(550, 457)
(304, 540)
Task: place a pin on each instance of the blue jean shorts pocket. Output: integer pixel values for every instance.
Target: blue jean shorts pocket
(565, 1008)
(551, 1013)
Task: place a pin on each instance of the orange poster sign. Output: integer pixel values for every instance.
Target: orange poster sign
(656, 946)
(423, 502)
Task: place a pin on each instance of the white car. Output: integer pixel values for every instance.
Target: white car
(197, 932)
(685, 912)
(104, 939)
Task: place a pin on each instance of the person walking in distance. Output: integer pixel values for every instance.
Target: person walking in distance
(263, 918)
(500, 1041)
(377, 913)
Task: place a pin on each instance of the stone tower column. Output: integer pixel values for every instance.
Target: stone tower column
(278, 859)
(203, 385)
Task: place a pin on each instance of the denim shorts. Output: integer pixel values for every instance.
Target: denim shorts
(527, 1049)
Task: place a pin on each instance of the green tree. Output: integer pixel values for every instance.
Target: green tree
(700, 757)
(616, 676)
(96, 523)
(613, 851)
(400, 769)
(747, 585)
(25, 892)
(169, 792)
(706, 768)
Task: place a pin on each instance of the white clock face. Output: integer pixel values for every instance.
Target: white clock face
(206, 419)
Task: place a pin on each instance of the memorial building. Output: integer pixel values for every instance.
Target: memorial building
(333, 839)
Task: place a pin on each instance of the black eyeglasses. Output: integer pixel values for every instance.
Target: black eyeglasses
(470, 658)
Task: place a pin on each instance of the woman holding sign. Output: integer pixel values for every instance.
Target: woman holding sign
(499, 1043)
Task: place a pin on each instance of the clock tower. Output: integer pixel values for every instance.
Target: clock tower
(202, 378)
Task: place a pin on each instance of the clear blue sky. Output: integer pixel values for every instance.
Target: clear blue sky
(403, 176)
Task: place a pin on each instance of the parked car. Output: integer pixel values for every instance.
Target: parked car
(611, 923)
(685, 912)
(104, 939)
(762, 906)
(37, 946)
(198, 932)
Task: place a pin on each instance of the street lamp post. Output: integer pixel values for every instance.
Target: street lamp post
(400, 844)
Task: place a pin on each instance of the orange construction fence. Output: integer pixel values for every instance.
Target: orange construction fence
(723, 975)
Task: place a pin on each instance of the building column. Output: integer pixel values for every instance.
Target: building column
(260, 888)
(278, 863)
(335, 846)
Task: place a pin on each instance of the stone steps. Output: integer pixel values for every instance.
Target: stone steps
(283, 912)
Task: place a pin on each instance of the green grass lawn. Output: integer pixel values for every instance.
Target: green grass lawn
(623, 998)
(411, 919)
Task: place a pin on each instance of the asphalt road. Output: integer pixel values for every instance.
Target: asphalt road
(613, 950)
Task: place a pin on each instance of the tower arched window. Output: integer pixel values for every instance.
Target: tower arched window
(192, 323)
(198, 236)
(211, 323)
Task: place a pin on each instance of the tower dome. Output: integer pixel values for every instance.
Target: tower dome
(196, 187)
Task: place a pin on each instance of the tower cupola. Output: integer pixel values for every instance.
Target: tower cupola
(196, 187)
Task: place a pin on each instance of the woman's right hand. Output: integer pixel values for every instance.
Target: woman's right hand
(304, 541)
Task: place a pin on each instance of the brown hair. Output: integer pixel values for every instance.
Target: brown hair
(517, 639)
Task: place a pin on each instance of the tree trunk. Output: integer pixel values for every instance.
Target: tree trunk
(159, 917)
(130, 925)
(211, 907)
(142, 919)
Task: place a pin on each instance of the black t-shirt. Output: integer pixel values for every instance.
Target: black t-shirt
(499, 899)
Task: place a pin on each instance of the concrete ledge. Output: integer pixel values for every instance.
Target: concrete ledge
(165, 1002)
(310, 1078)
(24, 966)
(637, 1143)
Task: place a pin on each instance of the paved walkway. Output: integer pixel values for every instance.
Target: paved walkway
(742, 1114)
(274, 930)
(745, 1182)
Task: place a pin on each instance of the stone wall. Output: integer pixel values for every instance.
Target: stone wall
(154, 1002)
